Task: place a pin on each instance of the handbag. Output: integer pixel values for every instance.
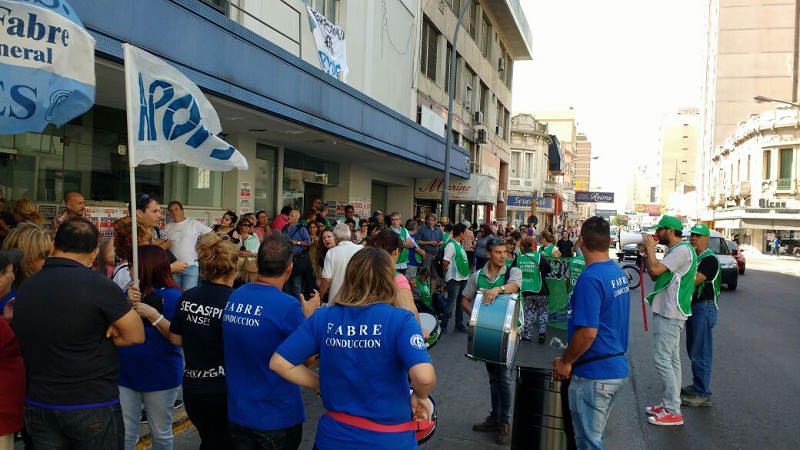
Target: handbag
(249, 270)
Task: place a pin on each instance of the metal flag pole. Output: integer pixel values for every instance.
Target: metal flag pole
(448, 139)
(132, 179)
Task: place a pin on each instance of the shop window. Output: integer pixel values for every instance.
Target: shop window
(266, 169)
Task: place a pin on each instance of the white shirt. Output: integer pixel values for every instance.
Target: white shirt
(450, 255)
(184, 236)
(335, 266)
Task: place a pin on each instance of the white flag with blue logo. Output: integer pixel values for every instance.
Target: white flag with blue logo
(169, 118)
(46, 66)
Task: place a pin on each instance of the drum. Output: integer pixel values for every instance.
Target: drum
(425, 430)
(494, 329)
(430, 324)
(541, 412)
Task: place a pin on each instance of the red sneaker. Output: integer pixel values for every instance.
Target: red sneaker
(653, 410)
(666, 418)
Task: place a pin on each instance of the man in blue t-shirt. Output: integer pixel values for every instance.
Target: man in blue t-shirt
(598, 316)
(258, 317)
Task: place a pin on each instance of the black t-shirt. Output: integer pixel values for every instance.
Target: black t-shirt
(199, 321)
(565, 247)
(61, 316)
(708, 266)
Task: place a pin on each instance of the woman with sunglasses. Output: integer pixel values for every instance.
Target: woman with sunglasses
(248, 248)
(361, 233)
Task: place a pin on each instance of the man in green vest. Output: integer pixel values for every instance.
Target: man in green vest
(456, 272)
(704, 316)
(493, 280)
(402, 261)
(671, 302)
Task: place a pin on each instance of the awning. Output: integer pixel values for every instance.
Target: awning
(769, 224)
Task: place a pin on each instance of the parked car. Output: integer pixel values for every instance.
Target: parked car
(737, 255)
(614, 238)
(729, 268)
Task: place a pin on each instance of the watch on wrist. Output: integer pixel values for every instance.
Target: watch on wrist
(503, 289)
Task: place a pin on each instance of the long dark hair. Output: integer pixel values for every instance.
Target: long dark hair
(154, 269)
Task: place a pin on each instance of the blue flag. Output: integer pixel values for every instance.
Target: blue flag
(46, 66)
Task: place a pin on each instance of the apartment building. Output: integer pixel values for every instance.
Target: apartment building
(676, 161)
(529, 169)
(748, 164)
(371, 135)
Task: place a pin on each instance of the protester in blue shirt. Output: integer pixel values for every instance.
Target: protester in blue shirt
(151, 373)
(595, 361)
(372, 355)
(263, 407)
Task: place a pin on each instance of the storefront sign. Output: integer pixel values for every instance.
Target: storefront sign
(594, 197)
(245, 198)
(520, 202)
(605, 212)
(478, 189)
(651, 209)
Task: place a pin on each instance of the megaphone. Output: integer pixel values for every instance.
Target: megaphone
(628, 237)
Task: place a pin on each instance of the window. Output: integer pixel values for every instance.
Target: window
(455, 6)
(766, 165)
(325, 7)
(516, 164)
(485, 97)
(529, 165)
(785, 163)
(472, 20)
(486, 37)
(430, 46)
(219, 5)
(468, 90)
(447, 61)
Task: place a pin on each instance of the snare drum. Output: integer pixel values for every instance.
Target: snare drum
(425, 430)
(430, 323)
(494, 329)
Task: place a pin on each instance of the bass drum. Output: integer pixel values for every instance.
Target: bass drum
(494, 329)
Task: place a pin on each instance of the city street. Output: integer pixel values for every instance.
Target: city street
(756, 374)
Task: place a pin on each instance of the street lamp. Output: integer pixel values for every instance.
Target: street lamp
(762, 99)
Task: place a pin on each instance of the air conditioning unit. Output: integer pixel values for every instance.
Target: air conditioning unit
(501, 64)
(498, 130)
(477, 117)
(481, 137)
(501, 196)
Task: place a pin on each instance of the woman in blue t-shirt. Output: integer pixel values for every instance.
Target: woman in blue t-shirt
(151, 373)
(371, 356)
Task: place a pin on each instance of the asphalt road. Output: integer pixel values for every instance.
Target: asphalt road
(755, 379)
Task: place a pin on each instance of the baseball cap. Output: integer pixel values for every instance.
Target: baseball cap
(700, 229)
(670, 222)
(7, 257)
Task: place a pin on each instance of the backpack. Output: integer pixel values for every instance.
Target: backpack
(438, 263)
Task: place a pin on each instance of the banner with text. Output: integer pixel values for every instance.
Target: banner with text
(46, 66)
(331, 45)
(594, 197)
(521, 202)
(651, 209)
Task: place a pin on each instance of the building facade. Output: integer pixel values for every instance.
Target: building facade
(358, 139)
(529, 169)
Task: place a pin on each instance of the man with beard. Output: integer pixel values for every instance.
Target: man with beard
(671, 300)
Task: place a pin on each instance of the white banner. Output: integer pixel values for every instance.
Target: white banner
(169, 118)
(46, 66)
(330, 45)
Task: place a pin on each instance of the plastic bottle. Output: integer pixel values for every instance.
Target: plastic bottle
(557, 344)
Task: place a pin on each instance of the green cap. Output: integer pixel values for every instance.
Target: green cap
(701, 230)
(670, 222)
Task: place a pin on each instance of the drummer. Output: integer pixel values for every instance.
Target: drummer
(495, 279)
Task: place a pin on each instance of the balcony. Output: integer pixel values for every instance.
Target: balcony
(784, 184)
(743, 189)
(551, 187)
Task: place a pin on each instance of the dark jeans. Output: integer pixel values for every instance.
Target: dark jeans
(209, 414)
(501, 386)
(243, 438)
(80, 429)
(455, 290)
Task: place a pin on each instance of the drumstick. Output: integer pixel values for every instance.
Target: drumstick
(641, 288)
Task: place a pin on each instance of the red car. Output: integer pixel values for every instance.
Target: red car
(737, 255)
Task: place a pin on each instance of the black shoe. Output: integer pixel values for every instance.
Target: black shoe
(489, 424)
(444, 329)
(178, 404)
(144, 417)
(526, 339)
(541, 338)
(461, 329)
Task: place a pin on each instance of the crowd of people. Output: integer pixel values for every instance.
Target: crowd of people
(283, 304)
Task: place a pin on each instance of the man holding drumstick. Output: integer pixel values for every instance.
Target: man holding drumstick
(494, 279)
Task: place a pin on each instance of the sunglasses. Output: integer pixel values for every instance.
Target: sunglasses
(247, 224)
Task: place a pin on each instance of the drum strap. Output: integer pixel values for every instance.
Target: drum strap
(595, 358)
(360, 422)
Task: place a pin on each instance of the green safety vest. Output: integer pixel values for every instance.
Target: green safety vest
(716, 282)
(548, 251)
(461, 261)
(528, 263)
(482, 281)
(425, 292)
(445, 238)
(576, 268)
(403, 258)
(685, 284)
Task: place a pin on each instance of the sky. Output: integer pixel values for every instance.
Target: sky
(621, 65)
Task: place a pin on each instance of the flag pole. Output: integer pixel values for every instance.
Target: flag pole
(134, 264)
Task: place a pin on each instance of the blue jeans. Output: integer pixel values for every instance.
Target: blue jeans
(159, 406)
(189, 278)
(699, 344)
(455, 290)
(667, 359)
(590, 402)
(501, 387)
(91, 428)
(243, 438)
